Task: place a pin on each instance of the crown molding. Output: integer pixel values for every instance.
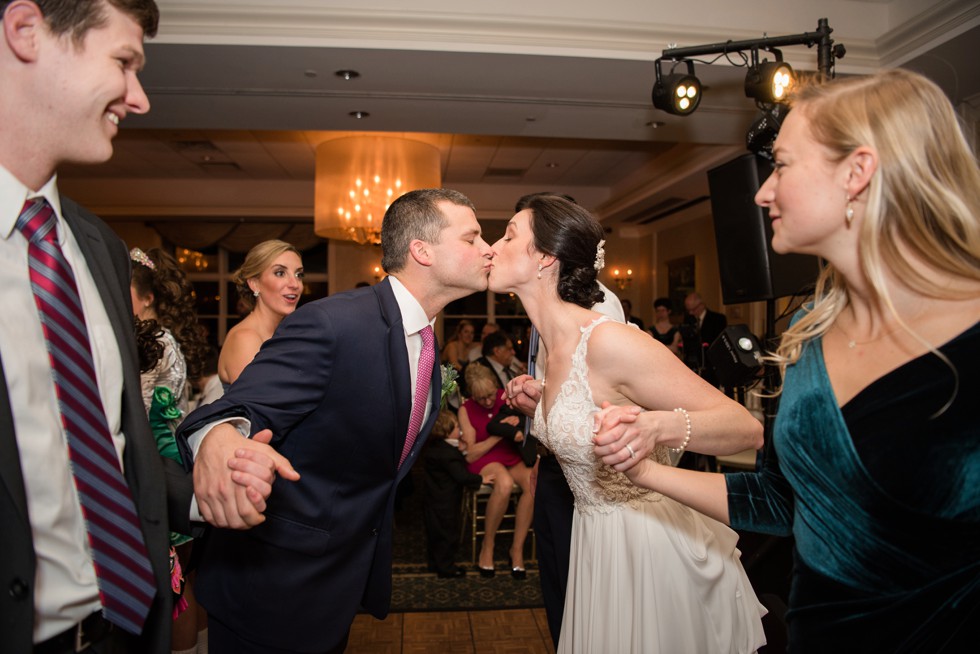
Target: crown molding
(939, 23)
(201, 23)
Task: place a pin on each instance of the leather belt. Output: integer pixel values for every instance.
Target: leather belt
(90, 631)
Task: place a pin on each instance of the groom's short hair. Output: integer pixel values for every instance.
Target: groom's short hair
(415, 215)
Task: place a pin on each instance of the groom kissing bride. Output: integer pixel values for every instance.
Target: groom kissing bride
(348, 389)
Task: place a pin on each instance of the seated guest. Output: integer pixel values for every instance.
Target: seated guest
(476, 350)
(496, 456)
(456, 353)
(498, 355)
(445, 477)
(208, 385)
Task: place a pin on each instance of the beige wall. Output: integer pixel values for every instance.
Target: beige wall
(137, 235)
(696, 237)
(624, 253)
(349, 263)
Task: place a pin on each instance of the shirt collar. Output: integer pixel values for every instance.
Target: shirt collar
(497, 366)
(13, 194)
(413, 315)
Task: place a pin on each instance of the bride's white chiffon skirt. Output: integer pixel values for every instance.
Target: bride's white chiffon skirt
(656, 576)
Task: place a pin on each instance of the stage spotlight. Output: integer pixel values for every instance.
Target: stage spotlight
(677, 93)
(769, 82)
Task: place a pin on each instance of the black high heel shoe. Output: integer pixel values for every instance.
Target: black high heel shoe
(520, 574)
(486, 573)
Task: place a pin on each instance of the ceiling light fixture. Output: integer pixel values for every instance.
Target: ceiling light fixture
(347, 74)
(358, 177)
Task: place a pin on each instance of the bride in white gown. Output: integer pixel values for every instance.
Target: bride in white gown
(647, 574)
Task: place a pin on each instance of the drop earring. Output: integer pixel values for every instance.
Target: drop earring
(540, 267)
(255, 293)
(849, 213)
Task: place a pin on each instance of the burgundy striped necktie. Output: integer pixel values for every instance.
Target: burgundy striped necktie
(423, 382)
(122, 567)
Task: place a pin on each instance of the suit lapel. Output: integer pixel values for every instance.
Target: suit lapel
(10, 472)
(401, 380)
(99, 261)
(109, 277)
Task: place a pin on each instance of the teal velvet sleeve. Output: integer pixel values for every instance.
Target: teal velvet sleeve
(761, 502)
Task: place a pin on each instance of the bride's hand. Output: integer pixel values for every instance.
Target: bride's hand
(617, 440)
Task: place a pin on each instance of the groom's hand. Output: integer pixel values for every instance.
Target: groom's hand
(233, 476)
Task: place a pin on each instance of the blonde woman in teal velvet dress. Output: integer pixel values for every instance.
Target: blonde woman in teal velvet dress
(877, 438)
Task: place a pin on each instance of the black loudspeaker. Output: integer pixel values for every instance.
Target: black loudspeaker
(736, 356)
(750, 270)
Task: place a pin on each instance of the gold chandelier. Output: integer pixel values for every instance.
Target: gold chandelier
(358, 177)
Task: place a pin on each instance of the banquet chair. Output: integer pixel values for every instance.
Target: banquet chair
(474, 512)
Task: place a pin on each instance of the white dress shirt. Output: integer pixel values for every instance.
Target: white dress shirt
(65, 589)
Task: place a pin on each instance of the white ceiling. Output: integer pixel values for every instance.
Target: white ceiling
(534, 96)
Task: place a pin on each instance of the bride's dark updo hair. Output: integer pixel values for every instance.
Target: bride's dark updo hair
(568, 232)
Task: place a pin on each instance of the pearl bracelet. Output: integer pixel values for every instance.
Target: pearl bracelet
(687, 436)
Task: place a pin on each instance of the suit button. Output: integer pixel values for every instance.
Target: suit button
(374, 532)
(18, 589)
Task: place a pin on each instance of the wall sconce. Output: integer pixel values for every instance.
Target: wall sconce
(377, 274)
(622, 281)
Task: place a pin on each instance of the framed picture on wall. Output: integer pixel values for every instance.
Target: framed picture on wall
(680, 281)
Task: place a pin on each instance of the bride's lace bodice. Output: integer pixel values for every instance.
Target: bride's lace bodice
(567, 431)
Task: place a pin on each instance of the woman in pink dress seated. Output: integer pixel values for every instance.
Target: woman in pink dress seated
(496, 456)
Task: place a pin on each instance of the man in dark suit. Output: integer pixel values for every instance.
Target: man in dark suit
(498, 355)
(335, 385)
(68, 76)
(706, 326)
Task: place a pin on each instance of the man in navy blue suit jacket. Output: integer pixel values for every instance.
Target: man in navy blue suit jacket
(334, 387)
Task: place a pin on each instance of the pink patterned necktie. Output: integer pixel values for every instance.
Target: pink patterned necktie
(427, 358)
(122, 566)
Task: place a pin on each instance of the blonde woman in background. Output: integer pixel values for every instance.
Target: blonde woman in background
(877, 434)
(457, 350)
(270, 283)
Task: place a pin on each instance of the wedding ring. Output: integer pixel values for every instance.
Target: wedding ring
(632, 453)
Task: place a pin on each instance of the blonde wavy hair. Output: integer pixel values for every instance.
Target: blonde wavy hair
(923, 200)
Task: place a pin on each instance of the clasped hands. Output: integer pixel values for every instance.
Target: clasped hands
(233, 476)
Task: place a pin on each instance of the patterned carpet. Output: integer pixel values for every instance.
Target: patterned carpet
(417, 589)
